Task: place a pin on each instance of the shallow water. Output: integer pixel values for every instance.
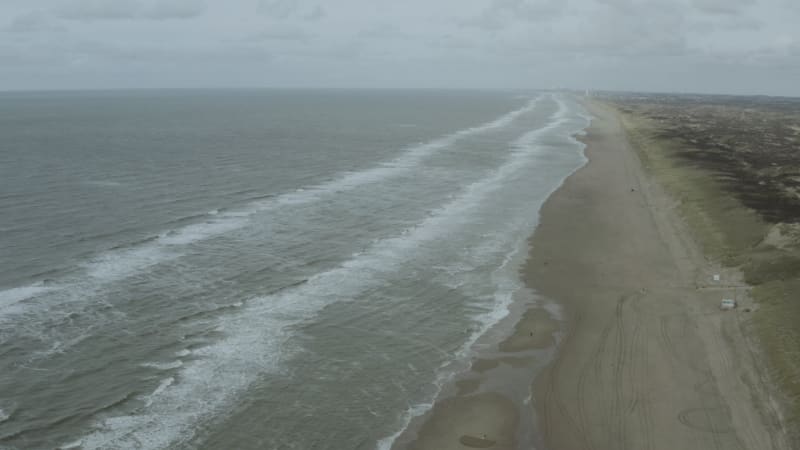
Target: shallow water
(258, 269)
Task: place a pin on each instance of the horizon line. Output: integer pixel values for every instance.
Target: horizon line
(372, 88)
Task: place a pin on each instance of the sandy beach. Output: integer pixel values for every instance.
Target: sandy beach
(645, 358)
(649, 361)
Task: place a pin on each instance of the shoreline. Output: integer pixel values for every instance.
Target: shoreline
(487, 404)
(639, 355)
(648, 360)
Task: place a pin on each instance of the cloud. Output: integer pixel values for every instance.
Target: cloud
(501, 12)
(90, 10)
(317, 13)
(176, 9)
(636, 31)
(99, 9)
(281, 33)
(782, 53)
(278, 9)
(450, 42)
(154, 55)
(382, 31)
(534, 43)
(621, 4)
(728, 23)
(721, 6)
(285, 9)
(32, 22)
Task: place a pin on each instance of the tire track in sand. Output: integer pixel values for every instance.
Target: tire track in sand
(592, 370)
(555, 400)
(616, 418)
(638, 371)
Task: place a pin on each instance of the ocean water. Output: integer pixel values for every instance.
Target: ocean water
(258, 269)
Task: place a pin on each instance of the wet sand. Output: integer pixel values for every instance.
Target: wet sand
(645, 359)
(490, 405)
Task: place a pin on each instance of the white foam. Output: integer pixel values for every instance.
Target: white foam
(204, 387)
(59, 346)
(120, 264)
(10, 297)
(411, 413)
(113, 435)
(237, 214)
(410, 158)
(507, 285)
(12, 301)
(104, 183)
(163, 366)
(165, 383)
(115, 265)
(201, 231)
(4, 415)
(257, 336)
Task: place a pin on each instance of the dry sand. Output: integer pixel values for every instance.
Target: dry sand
(649, 361)
(646, 360)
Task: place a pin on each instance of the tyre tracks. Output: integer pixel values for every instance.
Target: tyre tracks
(639, 372)
(555, 404)
(620, 357)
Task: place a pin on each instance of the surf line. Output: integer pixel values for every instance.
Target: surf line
(120, 263)
(261, 326)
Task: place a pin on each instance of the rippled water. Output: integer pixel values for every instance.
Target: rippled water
(258, 269)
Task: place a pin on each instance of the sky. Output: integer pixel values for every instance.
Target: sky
(707, 46)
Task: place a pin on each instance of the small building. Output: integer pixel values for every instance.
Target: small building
(727, 303)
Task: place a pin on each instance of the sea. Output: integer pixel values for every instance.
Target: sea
(259, 269)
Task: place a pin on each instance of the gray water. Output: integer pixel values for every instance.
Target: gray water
(258, 269)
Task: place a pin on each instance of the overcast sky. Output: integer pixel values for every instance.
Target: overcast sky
(725, 46)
